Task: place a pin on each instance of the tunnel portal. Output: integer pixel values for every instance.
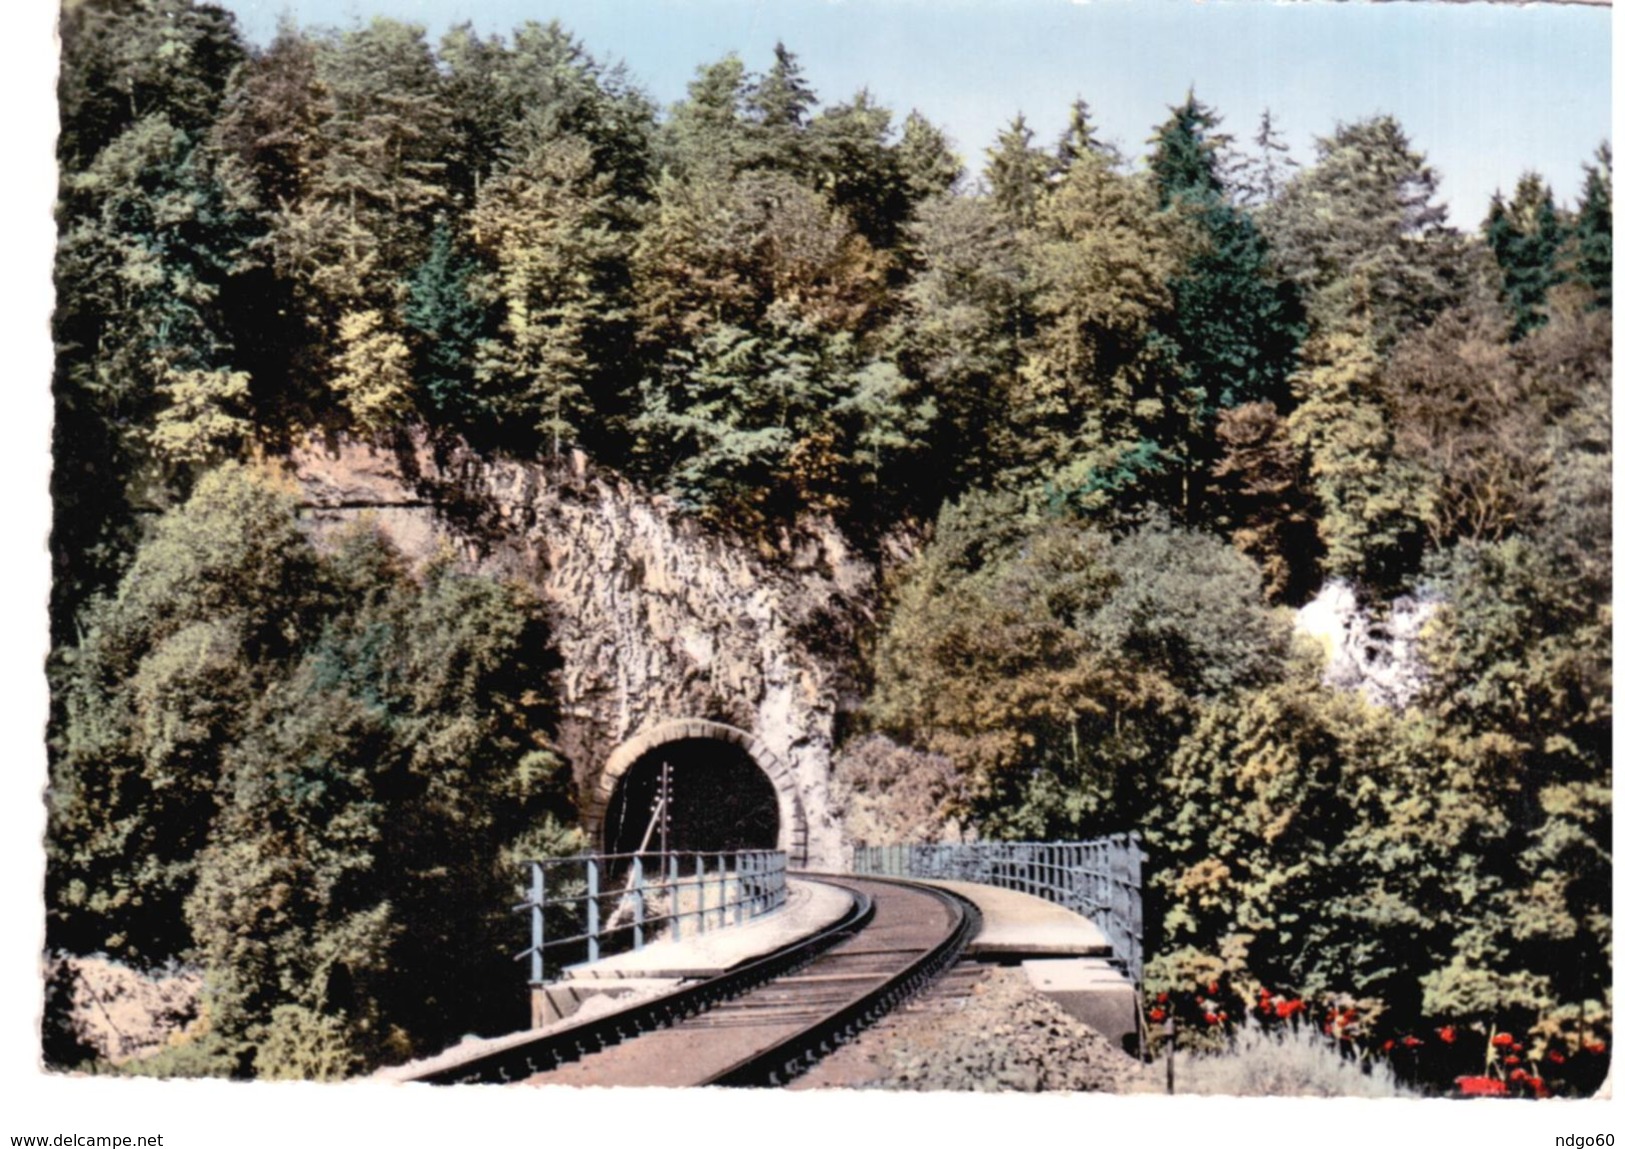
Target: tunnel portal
(719, 800)
(729, 791)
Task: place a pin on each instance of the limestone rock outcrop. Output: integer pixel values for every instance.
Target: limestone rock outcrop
(1377, 653)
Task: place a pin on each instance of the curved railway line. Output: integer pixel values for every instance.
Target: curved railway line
(766, 1022)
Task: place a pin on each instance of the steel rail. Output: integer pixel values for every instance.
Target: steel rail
(781, 1062)
(545, 1051)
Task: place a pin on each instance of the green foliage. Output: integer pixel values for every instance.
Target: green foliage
(1056, 666)
(277, 761)
(1312, 840)
(926, 161)
(1016, 172)
(125, 61)
(763, 426)
(1234, 324)
(1594, 228)
(1095, 381)
(1081, 138)
(547, 226)
(1262, 499)
(153, 697)
(448, 322)
(1360, 235)
(152, 231)
(860, 171)
(1525, 237)
(959, 333)
(371, 379)
(1447, 864)
(1369, 514)
(306, 773)
(1187, 153)
(507, 100)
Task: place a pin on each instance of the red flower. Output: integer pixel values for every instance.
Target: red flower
(1512, 1060)
(1540, 1087)
(1556, 1057)
(1501, 1040)
(1213, 987)
(1412, 1042)
(1520, 1075)
(1447, 1034)
(1596, 1047)
(1481, 1086)
(1162, 999)
(1211, 1018)
(1264, 995)
(1517, 1047)
(1388, 1045)
(1157, 1015)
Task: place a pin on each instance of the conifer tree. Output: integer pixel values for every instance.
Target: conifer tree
(1186, 154)
(1526, 237)
(705, 133)
(1261, 175)
(855, 166)
(1016, 172)
(545, 226)
(960, 327)
(926, 161)
(1079, 137)
(1362, 231)
(1234, 324)
(449, 323)
(1098, 405)
(124, 61)
(1594, 228)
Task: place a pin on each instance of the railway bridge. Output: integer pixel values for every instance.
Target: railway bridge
(757, 974)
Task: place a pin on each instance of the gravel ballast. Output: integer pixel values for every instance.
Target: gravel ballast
(981, 1029)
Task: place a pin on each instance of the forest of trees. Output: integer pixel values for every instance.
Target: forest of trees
(1135, 410)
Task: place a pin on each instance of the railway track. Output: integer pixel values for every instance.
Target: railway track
(767, 1022)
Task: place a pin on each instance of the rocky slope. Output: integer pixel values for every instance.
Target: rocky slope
(653, 617)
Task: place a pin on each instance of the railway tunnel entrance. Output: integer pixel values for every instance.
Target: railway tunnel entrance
(717, 799)
(727, 791)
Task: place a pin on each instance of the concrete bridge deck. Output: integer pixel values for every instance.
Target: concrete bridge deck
(1017, 925)
(809, 906)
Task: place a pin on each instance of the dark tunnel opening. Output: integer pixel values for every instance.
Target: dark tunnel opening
(720, 800)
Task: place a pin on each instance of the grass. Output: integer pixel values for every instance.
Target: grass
(1294, 1062)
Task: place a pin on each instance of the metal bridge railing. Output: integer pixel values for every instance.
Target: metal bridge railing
(589, 906)
(1099, 879)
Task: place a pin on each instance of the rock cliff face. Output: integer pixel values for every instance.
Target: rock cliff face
(1380, 657)
(654, 619)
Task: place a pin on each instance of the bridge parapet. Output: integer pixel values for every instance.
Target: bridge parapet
(1099, 879)
(583, 907)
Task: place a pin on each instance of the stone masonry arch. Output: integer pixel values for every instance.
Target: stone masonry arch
(792, 812)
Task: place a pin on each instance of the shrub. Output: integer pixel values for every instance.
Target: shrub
(1289, 1062)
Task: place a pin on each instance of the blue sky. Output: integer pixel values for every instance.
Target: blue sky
(1487, 91)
